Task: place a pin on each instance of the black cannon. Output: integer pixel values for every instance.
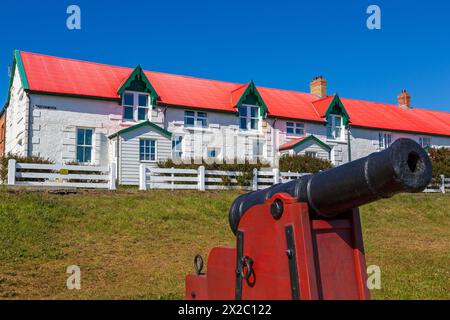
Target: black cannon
(303, 239)
(403, 167)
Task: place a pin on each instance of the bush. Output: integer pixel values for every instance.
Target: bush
(440, 158)
(21, 159)
(303, 164)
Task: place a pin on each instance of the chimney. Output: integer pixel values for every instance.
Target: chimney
(404, 100)
(318, 87)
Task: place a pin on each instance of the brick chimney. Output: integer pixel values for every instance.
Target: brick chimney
(404, 100)
(318, 87)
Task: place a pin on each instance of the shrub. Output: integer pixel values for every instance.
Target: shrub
(440, 158)
(4, 163)
(303, 164)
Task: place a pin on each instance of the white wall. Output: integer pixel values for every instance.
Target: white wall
(222, 133)
(339, 152)
(54, 123)
(17, 119)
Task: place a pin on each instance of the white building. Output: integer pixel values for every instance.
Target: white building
(76, 111)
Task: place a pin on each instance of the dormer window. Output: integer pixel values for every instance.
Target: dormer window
(249, 117)
(135, 106)
(335, 127)
(142, 107)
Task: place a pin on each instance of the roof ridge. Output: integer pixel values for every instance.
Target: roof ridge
(76, 60)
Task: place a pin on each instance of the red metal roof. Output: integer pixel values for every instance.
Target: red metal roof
(291, 144)
(74, 77)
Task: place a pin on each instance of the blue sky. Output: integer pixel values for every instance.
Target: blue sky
(281, 44)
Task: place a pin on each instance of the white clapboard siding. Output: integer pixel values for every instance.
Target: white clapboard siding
(129, 161)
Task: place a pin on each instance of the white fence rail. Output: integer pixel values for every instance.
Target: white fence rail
(441, 184)
(201, 179)
(59, 175)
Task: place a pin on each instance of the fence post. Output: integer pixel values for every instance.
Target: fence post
(112, 176)
(142, 177)
(255, 179)
(276, 175)
(173, 176)
(201, 178)
(442, 183)
(11, 172)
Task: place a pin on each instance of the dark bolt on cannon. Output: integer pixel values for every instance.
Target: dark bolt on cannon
(302, 239)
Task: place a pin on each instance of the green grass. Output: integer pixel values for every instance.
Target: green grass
(140, 245)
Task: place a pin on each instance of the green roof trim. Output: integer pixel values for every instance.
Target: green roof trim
(336, 106)
(251, 90)
(17, 64)
(139, 75)
(142, 124)
(309, 138)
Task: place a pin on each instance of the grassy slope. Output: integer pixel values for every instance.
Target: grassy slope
(141, 245)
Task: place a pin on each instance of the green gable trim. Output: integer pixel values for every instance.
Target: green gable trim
(252, 94)
(337, 107)
(138, 81)
(143, 124)
(17, 64)
(313, 138)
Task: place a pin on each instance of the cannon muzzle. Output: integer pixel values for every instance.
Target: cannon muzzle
(403, 167)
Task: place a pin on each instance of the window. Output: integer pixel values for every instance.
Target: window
(311, 154)
(142, 107)
(147, 150)
(132, 101)
(425, 142)
(335, 127)
(295, 128)
(176, 147)
(195, 119)
(249, 118)
(384, 140)
(128, 105)
(258, 149)
(212, 153)
(84, 145)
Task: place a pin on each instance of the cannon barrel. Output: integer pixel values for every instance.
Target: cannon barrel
(403, 167)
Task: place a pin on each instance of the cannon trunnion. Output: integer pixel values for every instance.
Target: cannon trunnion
(303, 239)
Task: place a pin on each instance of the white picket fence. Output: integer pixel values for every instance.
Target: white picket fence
(201, 179)
(60, 175)
(441, 184)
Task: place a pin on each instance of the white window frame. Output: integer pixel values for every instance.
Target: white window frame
(422, 141)
(384, 140)
(248, 118)
(150, 147)
(332, 128)
(197, 119)
(295, 126)
(176, 150)
(84, 145)
(136, 106)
